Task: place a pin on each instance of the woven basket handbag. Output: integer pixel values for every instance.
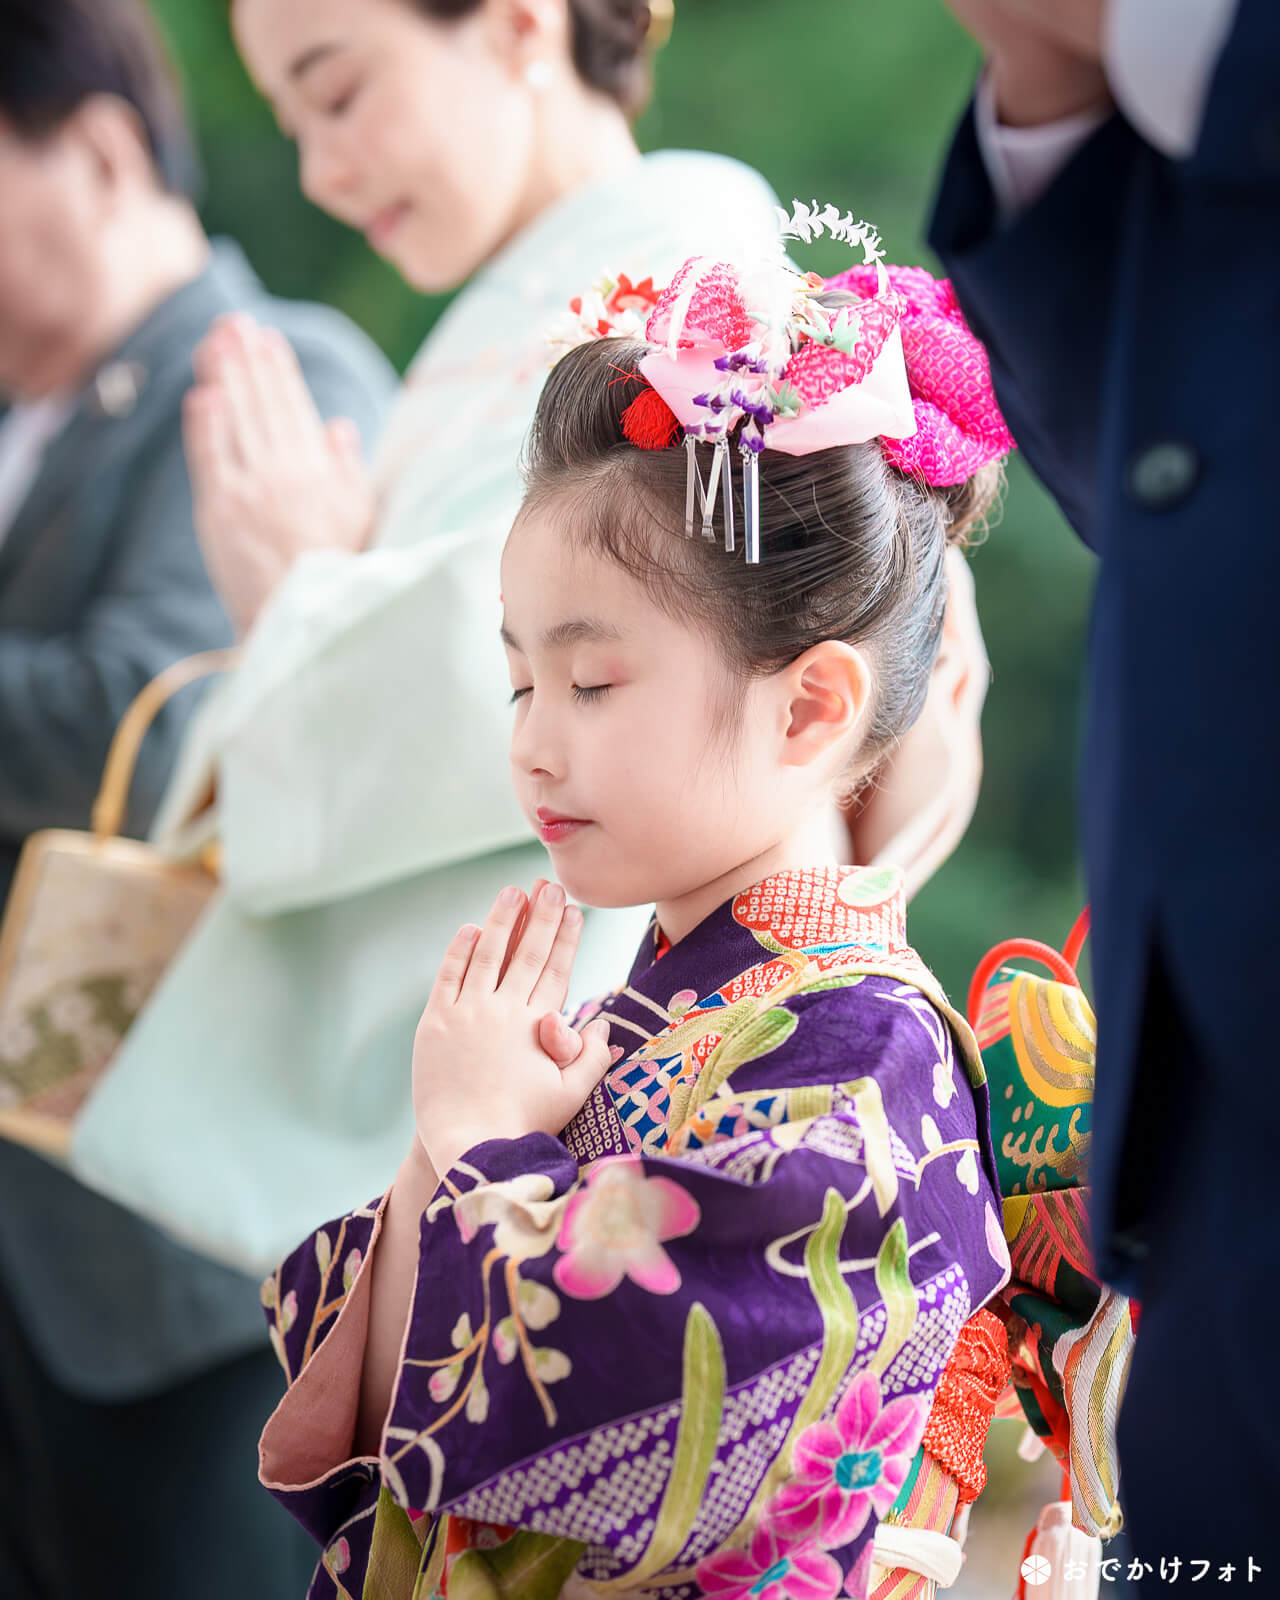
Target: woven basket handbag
(91, 923)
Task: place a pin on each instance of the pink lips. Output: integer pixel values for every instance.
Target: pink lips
(381, 227)
(554, 827)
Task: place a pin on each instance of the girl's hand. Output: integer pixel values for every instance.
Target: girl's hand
(269, 478)
(479, 1071)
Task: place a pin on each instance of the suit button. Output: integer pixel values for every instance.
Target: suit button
(1163, 475)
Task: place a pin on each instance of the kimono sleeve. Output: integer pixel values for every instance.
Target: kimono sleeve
(317, 1306)
(306, 811)
(742, 1333)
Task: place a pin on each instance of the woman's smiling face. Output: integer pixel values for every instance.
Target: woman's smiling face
(414, 131)
(646, 766)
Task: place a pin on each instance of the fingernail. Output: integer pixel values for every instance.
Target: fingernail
(573, 915)
(615, 1053)
(554, 894)
(511, 896)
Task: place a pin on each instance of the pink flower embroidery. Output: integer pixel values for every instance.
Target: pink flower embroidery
(848, 1468)
(615, 1226)
(767, 1570)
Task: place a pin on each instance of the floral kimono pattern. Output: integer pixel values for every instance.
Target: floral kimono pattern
(690, 1346)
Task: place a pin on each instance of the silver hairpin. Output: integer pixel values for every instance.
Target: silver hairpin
(713, 488)
(751, 503)
(701, 496)
(722, 453)
(693, 483)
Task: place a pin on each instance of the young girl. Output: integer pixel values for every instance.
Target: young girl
(660, 1306)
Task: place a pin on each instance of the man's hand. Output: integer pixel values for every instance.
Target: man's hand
(921, 802)
(1044, 56)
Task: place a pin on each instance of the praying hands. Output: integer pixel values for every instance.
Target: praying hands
(270, 478)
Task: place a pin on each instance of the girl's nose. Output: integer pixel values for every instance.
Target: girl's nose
(533, 748)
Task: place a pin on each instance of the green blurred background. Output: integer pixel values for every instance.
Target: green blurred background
(851, 102)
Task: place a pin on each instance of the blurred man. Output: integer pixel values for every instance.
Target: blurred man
(1110, 216)
(133, 1375)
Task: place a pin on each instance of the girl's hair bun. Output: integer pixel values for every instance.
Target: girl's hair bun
(969, 505)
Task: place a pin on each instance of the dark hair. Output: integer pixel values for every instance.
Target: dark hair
(54, 54)
(609, 43)
(850, 548)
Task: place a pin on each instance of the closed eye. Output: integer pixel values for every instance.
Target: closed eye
(519, 694)
(591, 692)
(336, 107)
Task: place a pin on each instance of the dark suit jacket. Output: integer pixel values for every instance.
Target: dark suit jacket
(101, 586)
(1133, 320)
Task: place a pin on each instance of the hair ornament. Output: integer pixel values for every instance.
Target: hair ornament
(649, 423)
(662, 18)
(765, 356)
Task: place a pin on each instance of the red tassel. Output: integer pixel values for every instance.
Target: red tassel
(649, 422)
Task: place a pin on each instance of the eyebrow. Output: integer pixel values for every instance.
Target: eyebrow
(311, 58)
(577, 630)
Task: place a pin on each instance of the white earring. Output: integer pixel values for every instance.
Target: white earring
(537, 76)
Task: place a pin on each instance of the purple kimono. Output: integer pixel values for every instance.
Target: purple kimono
(690, 1346)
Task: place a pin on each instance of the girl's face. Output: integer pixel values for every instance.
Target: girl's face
(619, 761)
(419, 133)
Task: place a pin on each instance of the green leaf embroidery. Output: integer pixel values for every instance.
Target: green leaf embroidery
(528, 1566)
(893, 1279)
(877, 1150)
(757, 1038)
(701, 1408)
(839, 1337)
(834, 980)
(433, 1554)
(395, 1555)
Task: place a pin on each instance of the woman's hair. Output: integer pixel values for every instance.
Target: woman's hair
(850, 548)
(55, 54)
(609, 43)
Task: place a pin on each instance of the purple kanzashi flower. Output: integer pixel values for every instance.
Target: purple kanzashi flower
(847, 1468)
(770, 1569)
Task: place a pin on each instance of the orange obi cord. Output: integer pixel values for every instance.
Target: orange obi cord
(965, 1402)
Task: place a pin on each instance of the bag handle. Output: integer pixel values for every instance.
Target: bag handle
(1061, 964)
(107, 818)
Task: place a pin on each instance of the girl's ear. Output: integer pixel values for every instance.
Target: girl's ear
(827, 694)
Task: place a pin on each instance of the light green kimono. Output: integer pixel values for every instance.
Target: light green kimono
(360, 752)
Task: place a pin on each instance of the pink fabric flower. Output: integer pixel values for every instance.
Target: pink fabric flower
(768, 1569)
(959, 427)
(615, 1227)
(845, 1469)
